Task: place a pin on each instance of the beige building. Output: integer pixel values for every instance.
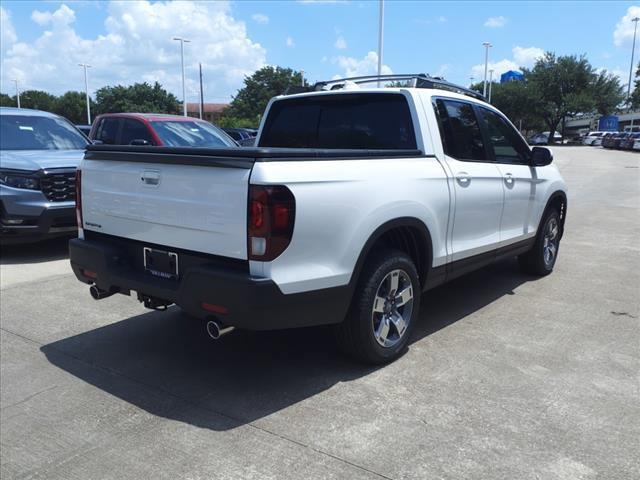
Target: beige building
(211, 113)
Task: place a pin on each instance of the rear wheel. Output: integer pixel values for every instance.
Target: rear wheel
(541, 259)
(383, 311)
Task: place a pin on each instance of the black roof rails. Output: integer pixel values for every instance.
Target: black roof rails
(416, 80)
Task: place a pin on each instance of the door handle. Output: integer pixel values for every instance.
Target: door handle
(508, 178)
(463, 178)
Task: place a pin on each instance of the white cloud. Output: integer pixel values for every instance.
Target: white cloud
(289, 42)
(495, 22)
(522, 57)
(354, 67)
(7, 33)
(441, 19)
(526, 57)
(442, 70)
(260, 18)
(341, 43)
(624, 28)
(137, 46)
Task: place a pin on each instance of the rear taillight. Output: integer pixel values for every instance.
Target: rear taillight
(272, 211)
(79, 199)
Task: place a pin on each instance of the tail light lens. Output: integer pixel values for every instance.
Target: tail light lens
(270, 220)
(79, 199)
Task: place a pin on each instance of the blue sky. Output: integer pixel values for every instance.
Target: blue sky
(126, 42)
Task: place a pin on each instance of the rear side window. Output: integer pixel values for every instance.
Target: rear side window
(344, 121)
(134, 130)
(108, 130)
(460, 131)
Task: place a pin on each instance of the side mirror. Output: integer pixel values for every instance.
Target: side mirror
(139, 141)
(541, 156)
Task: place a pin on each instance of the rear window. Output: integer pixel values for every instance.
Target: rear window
(343, 121)
(30, 132)
(190, 134)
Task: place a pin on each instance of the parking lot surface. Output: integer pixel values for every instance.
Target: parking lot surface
(508, 376)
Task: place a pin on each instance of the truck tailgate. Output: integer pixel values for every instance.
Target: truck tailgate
(200, 207)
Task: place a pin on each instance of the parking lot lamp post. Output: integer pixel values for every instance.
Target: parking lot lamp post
(86, 91)
(490, 83)
(487, 46)
(633, 51)
(17, 92)
(184, 91)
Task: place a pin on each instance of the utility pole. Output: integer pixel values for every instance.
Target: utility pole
(302, 75)
(201, 94)
(86, 91)
(380, 39)
(487, 46)
(15, 80)
(490, 83)
(184, 91)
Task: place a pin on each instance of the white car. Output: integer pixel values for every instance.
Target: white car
(354, 201)
(591, 137)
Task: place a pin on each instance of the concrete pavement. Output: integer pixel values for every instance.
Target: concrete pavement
(507, 376)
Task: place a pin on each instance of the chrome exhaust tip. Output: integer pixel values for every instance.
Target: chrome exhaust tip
(98, 293)
(216, 330)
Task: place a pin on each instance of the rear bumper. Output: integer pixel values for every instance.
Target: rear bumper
(251, 303)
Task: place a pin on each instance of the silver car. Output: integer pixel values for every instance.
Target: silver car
(39, 154)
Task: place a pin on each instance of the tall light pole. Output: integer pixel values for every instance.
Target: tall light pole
(380, 38)
(184, 91)
(490, 83)
(15, 80)
(633, 51)
(487, 46)
(86, 90)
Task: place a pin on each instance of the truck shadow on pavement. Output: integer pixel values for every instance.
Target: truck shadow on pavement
(163, 362)
(36, 252)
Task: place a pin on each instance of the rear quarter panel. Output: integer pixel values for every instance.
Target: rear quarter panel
(340, 203)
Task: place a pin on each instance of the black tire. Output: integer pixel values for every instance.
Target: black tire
(536, 261)
(356, 335)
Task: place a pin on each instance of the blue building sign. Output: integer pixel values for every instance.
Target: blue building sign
(608, 123)
(511, 76)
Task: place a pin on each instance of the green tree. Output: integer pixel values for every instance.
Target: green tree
(73, 106)
(635, 95)
(259, 88)
(139, 97)
(37, 99)
(514, 99)
(606, 92)
(7, 101)
(562, 86)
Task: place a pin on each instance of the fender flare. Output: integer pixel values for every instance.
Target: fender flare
(380, 231)
(563, 214)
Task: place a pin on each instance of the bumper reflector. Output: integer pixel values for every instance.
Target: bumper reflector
(90, 274)
(210, 307)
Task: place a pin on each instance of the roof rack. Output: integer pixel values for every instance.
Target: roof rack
(416, 80)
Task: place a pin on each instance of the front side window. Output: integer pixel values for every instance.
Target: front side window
(180, 133)
(30, 132)
(460, 131)
(135, 130)
(108, 130)
(345, 121)
(507, 145)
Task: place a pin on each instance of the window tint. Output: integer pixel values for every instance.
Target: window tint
(134, 130)
(507, 145)
(349, 121)
(31, 132)
(459, 129)
(108, 130)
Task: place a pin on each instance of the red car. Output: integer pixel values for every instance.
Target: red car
(157, 129)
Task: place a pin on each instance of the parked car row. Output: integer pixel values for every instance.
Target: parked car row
(621, 140)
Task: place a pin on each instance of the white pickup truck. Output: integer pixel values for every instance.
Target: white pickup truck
(354, 201)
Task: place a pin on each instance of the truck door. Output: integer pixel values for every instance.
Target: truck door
(477, 184)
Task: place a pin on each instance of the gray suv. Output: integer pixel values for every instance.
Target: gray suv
(39, 154)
